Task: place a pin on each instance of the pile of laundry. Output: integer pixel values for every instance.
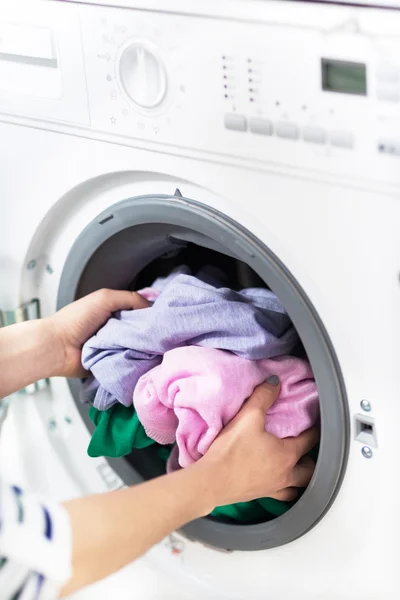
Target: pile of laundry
(176, 373)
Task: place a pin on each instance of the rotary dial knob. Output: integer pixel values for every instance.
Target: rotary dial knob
(143, 75)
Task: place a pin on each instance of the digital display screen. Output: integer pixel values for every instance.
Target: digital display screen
(344, 77)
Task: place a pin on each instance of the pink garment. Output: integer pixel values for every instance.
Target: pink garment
(196, 391)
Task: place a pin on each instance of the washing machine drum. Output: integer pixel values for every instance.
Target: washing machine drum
(116, 249)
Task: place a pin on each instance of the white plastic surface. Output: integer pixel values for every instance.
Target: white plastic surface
(41, 66)
(323, 234)
(26, 41)
(331, 216)
(267, 65)
(243, 8)
(271, 70)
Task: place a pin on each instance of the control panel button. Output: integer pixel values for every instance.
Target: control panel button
(388, 94)
(389, 147)
(261, 126)
(341, 139)
(388, 74)
(143, 76)
(235, 122)
(314, 135)
(287, 130)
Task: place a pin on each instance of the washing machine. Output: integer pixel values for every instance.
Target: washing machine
(264, 132)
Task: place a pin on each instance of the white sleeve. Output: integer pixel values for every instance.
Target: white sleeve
(35, 545)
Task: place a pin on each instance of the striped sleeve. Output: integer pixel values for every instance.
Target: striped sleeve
(35, 545)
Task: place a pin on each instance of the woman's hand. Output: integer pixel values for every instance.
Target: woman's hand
(110, 530)
(74, 324)
(51, 347)
(245, 462)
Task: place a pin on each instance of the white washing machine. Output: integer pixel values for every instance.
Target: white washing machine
(268, 132)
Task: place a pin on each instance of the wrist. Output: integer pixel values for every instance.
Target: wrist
(54, 340)
(205, 481)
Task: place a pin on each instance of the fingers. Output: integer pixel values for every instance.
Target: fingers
(306, 461)
(263, 397)
(113, 300)
(303, 443)
(287, 495)
(302, 473)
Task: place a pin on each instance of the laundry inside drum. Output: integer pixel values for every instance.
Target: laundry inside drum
(145, 238)
(150, 458)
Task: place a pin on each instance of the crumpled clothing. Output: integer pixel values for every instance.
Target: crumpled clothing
(161, 282)
(251, 323)
(207, 274)
(260, 510)
(117, 431)
(195, 392)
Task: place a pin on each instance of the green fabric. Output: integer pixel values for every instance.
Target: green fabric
(256, 511)
(118, 430)
(164, 452)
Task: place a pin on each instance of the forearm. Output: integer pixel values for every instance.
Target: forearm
(28, 352)
(111, 530)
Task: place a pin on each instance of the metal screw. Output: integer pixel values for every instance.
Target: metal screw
(31, 264)
(365, 405)
(51, 425)
(49, 269)
(366, 452)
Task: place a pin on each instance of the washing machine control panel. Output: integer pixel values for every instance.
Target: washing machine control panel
(316, 91)
(310, 87)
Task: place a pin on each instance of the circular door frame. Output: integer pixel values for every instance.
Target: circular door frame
(199, 219)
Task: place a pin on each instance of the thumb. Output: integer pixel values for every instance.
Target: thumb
(113, 300)
(264, 395)
(128, 300)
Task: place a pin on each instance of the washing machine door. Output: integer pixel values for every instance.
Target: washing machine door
(115, 248)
